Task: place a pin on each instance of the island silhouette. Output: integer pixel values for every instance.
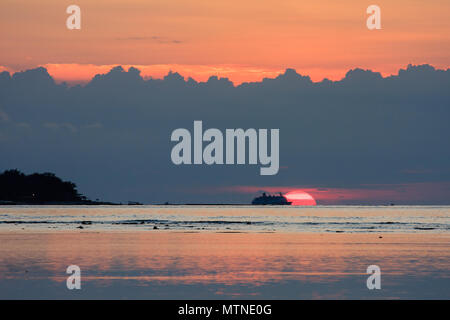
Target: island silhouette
(17, 188)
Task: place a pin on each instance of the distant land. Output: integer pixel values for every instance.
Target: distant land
(17, 188)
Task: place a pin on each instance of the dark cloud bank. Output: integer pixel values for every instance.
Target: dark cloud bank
(112, 136)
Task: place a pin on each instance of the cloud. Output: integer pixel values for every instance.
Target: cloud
(365, 129)
(3, 116)
(157, 39)
(96, 125)
(58, 126)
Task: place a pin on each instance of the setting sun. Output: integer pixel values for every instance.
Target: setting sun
(300, 198)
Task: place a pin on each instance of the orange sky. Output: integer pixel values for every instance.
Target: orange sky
(243, 40)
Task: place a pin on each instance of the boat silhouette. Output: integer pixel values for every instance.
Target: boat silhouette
(278, 200)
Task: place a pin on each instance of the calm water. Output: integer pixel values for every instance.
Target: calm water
(416, 219)
(211, 252)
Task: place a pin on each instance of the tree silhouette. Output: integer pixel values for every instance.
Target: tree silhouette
(37, 188)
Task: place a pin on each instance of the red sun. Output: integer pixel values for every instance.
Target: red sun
(300, 198)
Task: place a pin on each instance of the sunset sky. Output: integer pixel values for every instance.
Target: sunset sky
(364, 139)
(241, 40)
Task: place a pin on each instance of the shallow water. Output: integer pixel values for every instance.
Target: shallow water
(210, 265)
(211, 252)
(416, 219)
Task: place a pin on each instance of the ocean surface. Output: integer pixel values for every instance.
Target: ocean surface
(224, 252)
(380, 219)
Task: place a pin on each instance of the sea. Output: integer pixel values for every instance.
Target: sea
(229, 218)
(224, 252)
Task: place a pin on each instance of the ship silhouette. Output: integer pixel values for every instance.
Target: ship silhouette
(265, 199)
